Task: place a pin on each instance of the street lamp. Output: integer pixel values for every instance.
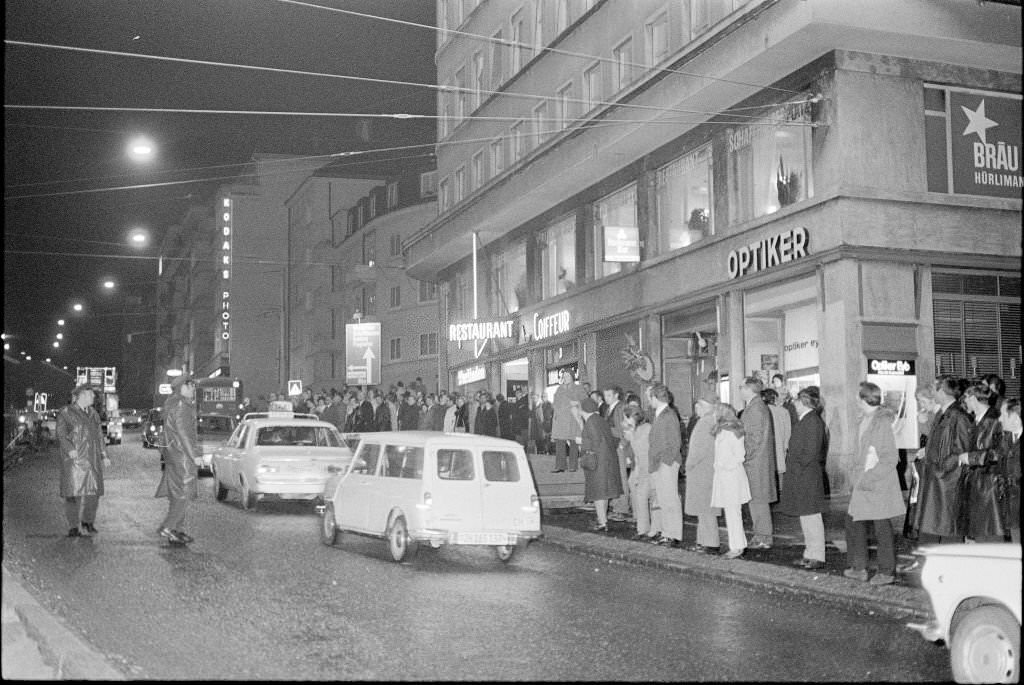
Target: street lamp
(141, 150)
(77, 307)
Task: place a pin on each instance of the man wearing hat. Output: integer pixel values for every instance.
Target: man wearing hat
(597, 445)
(181, 457)
(82, 459)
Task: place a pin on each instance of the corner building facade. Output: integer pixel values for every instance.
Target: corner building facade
(731, 188)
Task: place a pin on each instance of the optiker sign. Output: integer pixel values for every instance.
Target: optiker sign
(768, 252)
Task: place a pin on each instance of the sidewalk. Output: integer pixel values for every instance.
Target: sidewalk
(38, 646)
(771, 570)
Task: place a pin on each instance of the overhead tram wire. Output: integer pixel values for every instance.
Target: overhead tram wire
(513, 44)
(362, 79)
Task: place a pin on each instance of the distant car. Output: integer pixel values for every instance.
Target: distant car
(278, 453)
(413, 487)
(214, 430)
(49, 419)
(975, 593)
(131, 418)
(153, 428)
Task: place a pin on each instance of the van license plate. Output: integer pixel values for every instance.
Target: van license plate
(483, 539)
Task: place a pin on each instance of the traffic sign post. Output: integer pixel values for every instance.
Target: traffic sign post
(295, 388)
(362, 353)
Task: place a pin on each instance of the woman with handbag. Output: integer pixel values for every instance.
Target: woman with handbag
(600, 462)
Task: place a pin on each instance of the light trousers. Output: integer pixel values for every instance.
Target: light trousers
(666, 484)
(645, 503)
(813, 527)
(707, 531)
(761, 518)
(81, 509)
(734, 525)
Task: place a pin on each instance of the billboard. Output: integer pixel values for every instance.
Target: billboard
(362, 353)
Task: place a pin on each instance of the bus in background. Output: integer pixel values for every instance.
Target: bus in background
(221, 396)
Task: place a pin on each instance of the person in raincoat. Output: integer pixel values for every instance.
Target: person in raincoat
(82, 459)
(181, 455)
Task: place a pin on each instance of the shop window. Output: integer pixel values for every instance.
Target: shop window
(558, 258)
(685, 201)
(617, 210)
(689, 355)
(780, 333)
(509, 268)
(770, 163)
(976, 319)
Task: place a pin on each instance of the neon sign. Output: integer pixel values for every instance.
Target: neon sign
(225, 265)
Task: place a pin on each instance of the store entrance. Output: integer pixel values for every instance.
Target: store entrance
(514, 374)
(688, 350)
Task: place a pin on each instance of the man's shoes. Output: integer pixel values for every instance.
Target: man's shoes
(91, 529)
(557, 470)
(170, 536)
(760, 544)
(856, 574)
(185, 537)
(615, 516)
(670, 542)
(655, 539)
(882, 579)
(600, 528)
(734, 554)
(908, 567)
(701, 549)
(74, 533)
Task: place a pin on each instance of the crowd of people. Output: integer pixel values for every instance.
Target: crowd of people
(964, 482)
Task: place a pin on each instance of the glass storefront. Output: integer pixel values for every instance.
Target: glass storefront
(780, 333)
(689, 342)
(514, 374)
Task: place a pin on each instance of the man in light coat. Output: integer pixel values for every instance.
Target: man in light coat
(759, 444)
(82, 459)
(182, 456)
(782, 424)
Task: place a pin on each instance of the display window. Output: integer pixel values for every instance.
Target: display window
(780, 334)
(515, 374)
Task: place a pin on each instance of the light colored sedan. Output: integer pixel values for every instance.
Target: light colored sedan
(975, 593)
(280, 454)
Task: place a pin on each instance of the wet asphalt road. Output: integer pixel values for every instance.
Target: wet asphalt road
(258, 596)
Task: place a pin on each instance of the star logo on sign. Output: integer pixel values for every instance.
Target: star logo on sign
(977, 122)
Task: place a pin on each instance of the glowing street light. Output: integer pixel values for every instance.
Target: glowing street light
(77, 307)
(60, 336)
(60, 322)
(141, 149)
(109, 285)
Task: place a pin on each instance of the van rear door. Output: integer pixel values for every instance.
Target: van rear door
(506, 492)
(455, 490)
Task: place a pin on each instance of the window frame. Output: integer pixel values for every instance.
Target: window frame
(622, 71)
(394, 348)
(592, 86)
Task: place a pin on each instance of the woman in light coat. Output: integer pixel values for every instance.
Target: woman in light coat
(730, 488)
(875, 498)
(700, 475)
(637, 432)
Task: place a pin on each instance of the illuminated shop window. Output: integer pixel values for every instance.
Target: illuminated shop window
(617, 210)
(684, 200)
(558, 257)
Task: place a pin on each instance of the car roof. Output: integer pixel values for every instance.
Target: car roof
(264, 421)
(430, 437)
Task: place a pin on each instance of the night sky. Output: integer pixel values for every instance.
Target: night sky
(81, 237)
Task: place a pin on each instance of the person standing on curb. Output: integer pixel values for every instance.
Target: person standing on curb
(759, 441)
(181, 454)
(875, 498)
(622, 509)
(804, 493)
(730, 489)
(600, 463)
(700, 475)
(82, 459)
(565, 429)
(665, 443)
(782, 424)
(636, 432)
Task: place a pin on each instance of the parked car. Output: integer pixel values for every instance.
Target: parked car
(214, 430)
(153, 427)
(413, 487)
(975, 593)
(278, 453)
(131, 418)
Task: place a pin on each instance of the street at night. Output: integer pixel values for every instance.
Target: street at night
(258, 596)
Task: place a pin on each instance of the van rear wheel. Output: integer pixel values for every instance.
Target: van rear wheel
(219, 491)
(505, 552)
(400, 546)
(329, 533)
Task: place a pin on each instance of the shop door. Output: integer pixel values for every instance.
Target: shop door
(679, 378)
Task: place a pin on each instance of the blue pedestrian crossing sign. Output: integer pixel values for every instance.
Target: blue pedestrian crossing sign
(294, 388)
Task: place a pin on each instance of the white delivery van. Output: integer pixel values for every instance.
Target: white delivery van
(412, 487)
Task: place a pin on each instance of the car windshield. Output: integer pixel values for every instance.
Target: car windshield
(294, 436)
(215, 424)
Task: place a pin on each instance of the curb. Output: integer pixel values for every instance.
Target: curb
(894, 601)
(72, 658)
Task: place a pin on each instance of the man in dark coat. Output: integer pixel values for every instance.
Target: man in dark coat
(381, 414)
(362, 422)
(601, 483)
(803, 493)
(82, 458)
(938, 502)
(521, 418)
(759, 444)
(486, 422)
(409, 414)
(980, 519)
(505, 410)
(181, 457)
(335, 412)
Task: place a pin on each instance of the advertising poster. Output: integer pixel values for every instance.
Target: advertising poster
(985, 144)
(898, 380)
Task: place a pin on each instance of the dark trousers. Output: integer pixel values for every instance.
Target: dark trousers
(175, 513)
(81, 509)
(573, 454)
(857, 544)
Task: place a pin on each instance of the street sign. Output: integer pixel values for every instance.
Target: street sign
(103, 378)
(164, 389)
(294, 388)
(40, 402)
(362, 353)
(621, 244)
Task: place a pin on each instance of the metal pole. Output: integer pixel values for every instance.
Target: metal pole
(475, 242)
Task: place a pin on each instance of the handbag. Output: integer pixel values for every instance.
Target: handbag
(588, 460)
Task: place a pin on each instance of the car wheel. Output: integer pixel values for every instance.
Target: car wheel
(399, 545)
(986, 647)
(219, 491)
(248, 496)
(505, 552)
(329, 533)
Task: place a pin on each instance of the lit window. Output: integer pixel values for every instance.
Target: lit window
(558, 257)
(617, 210)
(685, 203)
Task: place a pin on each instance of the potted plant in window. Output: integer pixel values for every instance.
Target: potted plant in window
(788, 185)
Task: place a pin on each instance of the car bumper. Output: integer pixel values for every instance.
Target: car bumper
(439, 537)
(300, 488)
